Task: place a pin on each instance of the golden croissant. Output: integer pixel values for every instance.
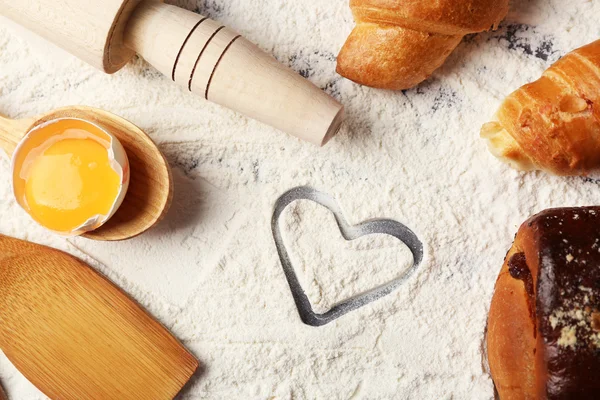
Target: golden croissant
(553, 124)
(397, 44)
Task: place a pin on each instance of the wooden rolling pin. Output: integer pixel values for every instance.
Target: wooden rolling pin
(196, 52)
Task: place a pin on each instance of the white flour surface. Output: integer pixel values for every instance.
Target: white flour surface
(210, 271)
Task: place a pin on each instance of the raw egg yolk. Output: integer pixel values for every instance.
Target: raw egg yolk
(66, 176)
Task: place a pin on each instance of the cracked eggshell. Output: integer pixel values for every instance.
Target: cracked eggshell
(116, 154)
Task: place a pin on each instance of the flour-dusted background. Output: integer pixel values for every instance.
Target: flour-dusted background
(210, 271)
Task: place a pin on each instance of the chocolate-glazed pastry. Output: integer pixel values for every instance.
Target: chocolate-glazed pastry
(543, 334)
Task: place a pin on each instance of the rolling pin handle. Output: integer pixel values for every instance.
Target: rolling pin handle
(213, 61)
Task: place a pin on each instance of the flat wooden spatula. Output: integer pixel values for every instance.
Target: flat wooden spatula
(75, 335)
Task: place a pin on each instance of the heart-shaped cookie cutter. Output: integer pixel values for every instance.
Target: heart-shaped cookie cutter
(349, 232)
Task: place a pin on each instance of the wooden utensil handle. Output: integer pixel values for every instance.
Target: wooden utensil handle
(11, 133)
(211, 60)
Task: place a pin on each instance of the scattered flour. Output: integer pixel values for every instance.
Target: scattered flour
(332, 269)
(210, 271)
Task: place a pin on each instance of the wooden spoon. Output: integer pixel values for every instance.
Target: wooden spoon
(2, 394)
(75, 335)
(150, 187)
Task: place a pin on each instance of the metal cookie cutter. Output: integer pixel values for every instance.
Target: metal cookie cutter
(349, 232)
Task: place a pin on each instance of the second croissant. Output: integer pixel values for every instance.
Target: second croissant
(553, 124)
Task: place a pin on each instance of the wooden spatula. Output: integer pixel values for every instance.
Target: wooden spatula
(75, 335)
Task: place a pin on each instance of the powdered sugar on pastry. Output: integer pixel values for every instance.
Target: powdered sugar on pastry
(210, 272)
